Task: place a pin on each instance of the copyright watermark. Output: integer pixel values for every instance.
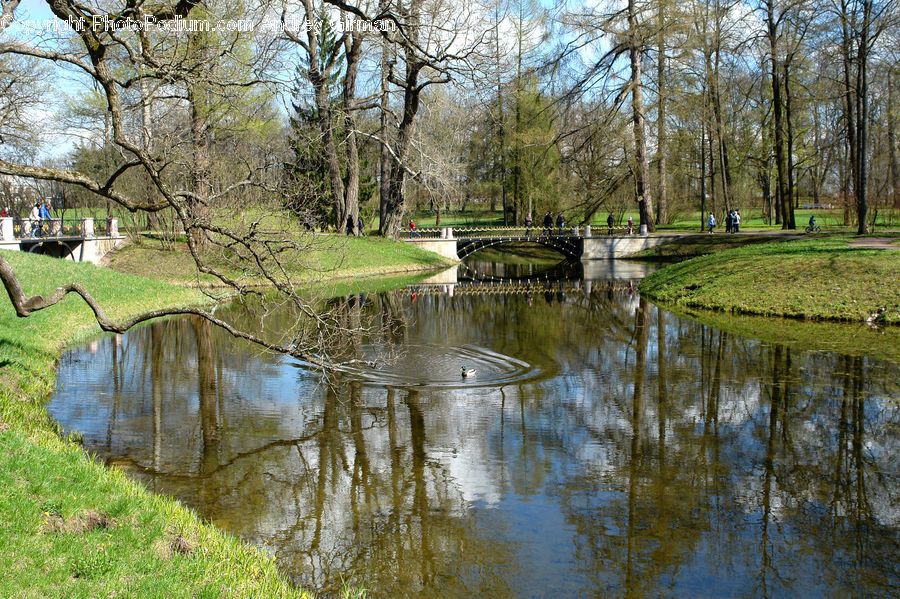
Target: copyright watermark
(150, 24)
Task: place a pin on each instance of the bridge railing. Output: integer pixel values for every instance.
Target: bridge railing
(469, 231)
(15, 228)
(423, 233)
(515, 287)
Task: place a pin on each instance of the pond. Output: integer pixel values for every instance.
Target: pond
(604, 447)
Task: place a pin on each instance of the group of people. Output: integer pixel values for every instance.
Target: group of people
(34, 225)
(732, 222)
(359, 226)
(611, 220)
(548, 223)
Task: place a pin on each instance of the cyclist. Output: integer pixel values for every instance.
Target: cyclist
(812, 222)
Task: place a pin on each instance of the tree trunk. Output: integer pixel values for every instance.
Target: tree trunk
(644, 199)
(789, 212)
(850, 107)
(146, 143)
(765, 168)
(817, 167)
(384, 167)
(712, 71)
(501, 126)
(712, 170)
(517, 124)
(784, 198)
(352, 48)
(862, 114)
(892, 139)
(702, 175)
(396, 204)
(662, 216)
(394, 209)
(196, 206)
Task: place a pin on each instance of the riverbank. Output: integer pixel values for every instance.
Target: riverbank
(823, 278)
(328, 257)
(70, 526)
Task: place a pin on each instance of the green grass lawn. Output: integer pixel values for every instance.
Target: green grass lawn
(329, 257)
(681, 220)
(70, 527)
(752, 220)
(691, 246)
(820, 279)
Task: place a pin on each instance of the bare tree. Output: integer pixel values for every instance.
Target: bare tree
(240, 253)
(862, 22)
(427, 42)
(642, 165)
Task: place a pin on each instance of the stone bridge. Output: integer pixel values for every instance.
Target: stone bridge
(74, 239)
(578, 243)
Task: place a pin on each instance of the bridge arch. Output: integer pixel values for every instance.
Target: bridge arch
(568, 246)
(55, 248)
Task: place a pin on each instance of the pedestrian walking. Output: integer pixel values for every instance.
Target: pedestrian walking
(528, 223)
(35, 219)
(711, 222)
(560, 222)
(47, 216)
(548, 223)
(609, 223)
(630, 226)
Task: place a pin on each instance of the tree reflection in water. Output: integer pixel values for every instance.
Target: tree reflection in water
(643, 454)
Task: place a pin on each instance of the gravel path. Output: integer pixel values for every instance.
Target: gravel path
(880, 243)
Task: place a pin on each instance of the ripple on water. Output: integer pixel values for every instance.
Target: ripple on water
(437, 366)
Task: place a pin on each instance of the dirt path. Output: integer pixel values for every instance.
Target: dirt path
(881, 243)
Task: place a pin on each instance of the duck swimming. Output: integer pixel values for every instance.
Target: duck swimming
(466, 371)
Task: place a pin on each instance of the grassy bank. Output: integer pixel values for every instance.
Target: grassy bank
(70, 527)
(819, 279)
(691, 246)
(329, 257)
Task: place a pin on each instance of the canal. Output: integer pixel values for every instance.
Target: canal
(604, 447)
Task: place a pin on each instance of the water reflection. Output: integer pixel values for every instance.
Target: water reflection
(644, 454)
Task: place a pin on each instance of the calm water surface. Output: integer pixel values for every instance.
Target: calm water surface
(604, 448)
